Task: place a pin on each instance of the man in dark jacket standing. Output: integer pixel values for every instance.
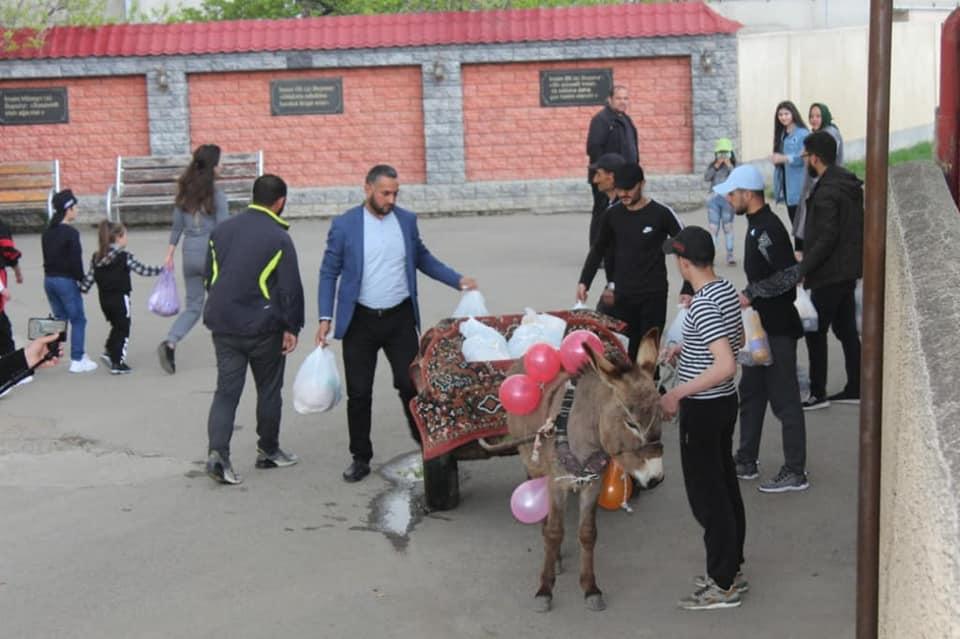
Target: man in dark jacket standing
(832, 263)
(768, 251)
(255, 311)
(611, 131)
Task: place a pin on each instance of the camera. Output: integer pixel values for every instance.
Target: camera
(40, 326)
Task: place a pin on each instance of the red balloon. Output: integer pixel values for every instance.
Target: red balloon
(541, 362)
(572, 355)
(519, 394)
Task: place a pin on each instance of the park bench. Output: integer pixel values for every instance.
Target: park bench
(26, 190)
(147, 186)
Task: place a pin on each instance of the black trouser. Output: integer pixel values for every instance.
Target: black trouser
(778, 385)
(264, 354)
(641, 313)
(116, 308)
(710, 477)
(837, 308)
(6, 335)
(395, 331)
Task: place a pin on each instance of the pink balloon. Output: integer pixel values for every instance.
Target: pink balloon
(519, 394)
(572, 354)
(530, 501)
(542, 362)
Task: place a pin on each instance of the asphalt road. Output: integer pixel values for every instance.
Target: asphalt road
(110, 529)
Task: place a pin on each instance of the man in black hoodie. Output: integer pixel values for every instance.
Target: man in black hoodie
(611, 131)
(832, 263)
(255, 311)
(768, 251)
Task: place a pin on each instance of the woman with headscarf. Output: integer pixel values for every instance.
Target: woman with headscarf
(199, 206)
(820, 119)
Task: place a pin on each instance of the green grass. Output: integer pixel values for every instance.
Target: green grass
(922, 151)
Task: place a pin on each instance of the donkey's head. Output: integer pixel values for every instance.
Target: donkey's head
(629, 412)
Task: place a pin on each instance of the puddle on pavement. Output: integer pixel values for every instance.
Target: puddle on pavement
(396, 511)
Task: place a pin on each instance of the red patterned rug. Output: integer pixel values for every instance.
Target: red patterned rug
(457, 401)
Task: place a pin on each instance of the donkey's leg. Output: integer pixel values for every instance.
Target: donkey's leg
(588, 539)
(552, 538)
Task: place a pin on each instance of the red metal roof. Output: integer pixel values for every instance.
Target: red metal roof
(379, 31)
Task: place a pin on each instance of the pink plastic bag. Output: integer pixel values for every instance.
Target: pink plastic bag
(164, 300)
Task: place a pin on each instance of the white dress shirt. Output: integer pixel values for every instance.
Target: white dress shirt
(384, 282)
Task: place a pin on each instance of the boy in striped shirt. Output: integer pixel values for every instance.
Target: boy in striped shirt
(706, 399)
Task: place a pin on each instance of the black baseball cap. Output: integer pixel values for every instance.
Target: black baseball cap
(692, 242)
(63, 201)
(608, 162)
(628, 176)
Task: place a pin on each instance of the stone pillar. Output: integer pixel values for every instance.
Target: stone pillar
(715, 109)
(443, 122)
(168, 110)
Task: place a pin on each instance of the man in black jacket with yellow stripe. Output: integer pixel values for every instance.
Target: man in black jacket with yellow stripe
(254, 309)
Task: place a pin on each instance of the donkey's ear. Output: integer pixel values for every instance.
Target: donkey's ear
(600, 363)
(649, 349)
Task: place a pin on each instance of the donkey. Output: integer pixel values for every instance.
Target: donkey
(615, 413)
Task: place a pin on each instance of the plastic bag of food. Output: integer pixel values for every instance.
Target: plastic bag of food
(756, 347)
(471, 304)
(807, 311)
(674, 334)
(317, 387)
(482, 343)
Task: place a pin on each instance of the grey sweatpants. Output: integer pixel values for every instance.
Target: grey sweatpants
(194, 260)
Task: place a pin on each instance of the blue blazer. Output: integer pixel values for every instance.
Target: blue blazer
(343, 260)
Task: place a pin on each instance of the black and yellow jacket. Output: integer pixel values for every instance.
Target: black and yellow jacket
(252, 276)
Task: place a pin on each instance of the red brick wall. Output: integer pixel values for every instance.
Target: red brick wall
(509, 136)
(382, 122)
(108, 117)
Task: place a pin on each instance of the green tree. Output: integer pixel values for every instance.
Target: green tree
(36, 17)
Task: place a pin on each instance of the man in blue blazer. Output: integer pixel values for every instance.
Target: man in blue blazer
(375, 251)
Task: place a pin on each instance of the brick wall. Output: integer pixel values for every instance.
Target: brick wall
(108, 117)
(382, 122)
(508, 135)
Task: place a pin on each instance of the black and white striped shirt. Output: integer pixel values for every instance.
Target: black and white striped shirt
(714, 313)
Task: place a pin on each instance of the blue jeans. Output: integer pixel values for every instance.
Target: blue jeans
(66, 303)
(720, 213)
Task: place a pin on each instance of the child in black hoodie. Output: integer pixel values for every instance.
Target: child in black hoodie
(110, 269)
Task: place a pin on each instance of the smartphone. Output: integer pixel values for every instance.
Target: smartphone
(40, 326)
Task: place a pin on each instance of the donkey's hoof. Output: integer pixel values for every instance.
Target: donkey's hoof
(595, 602)
(542, 603)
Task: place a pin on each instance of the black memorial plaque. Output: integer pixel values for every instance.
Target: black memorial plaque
(307, 96)
(47, 105)
(575, 87)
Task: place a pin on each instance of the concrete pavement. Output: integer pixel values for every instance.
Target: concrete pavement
(110, 528)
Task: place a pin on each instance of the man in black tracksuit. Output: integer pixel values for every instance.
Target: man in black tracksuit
(634, 230)
(611, 131)
(768, 251)
(254, 309)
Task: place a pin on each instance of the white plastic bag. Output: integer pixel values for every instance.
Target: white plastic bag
(553, 327)
(317, 387)
(525, 336)
(471, 304)
(579, 306)
(482, 343)
(807, 311)
(756, 347)
(674, 334)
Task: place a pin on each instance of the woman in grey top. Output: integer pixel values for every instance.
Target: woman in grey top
(200, 206)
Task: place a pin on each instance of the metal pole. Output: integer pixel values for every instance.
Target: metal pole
(874, 256)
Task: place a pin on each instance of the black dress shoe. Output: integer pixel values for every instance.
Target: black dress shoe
(356, 471)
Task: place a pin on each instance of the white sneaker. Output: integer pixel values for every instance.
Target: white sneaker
(84, 365)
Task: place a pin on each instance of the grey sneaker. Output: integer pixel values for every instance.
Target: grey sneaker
(711, 597)
(748, 470)
(220, 469)
(785, 480)
(278, 459)
(740, 583)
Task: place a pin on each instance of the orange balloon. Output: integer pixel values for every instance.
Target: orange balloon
(616, 488)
